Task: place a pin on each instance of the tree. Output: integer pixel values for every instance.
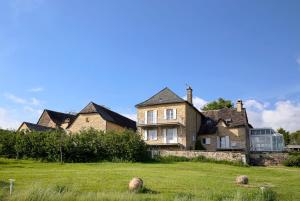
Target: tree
(286, 135)
(218, 104)
(295, 137)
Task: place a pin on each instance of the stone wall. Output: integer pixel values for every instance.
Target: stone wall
(227, 156)
(267, 158)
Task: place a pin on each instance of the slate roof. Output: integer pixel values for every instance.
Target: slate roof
(230, 116)
(59, 117)
(109, 115)
(164, 96)
(36, 127)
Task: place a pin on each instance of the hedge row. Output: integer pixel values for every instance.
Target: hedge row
(85, 146)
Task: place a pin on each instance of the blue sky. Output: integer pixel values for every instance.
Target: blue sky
(61, 55)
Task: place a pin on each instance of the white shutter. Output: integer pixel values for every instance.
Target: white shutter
(218, 142)
(155, 138)
(165, 135)
(165, 113)
(145, 135)
(154, 116)
(175, 135)
(207, 140)
(174, 114)
(227, 142)
(145, 118)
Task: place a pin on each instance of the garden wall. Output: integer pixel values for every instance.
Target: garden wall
(268, 158)
(227, 156)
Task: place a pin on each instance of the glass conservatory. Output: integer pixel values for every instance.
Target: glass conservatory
(265, 139)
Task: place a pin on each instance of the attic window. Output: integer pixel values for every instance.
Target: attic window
(87, 120)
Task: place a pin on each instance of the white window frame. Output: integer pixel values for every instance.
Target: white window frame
(174, 138)
(151, 119)
(169, 114)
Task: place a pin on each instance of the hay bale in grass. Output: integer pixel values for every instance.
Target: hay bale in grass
(243, 179)
(136, 184)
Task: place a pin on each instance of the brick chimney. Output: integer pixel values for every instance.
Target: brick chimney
(189, 95)
(239, 105)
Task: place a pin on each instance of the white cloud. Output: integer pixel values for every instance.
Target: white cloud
(197, 102)
(23, 101)
(15, 99)
(131, 116)
(35, 112)
(6, 120)
(37, 89)
(284, 114)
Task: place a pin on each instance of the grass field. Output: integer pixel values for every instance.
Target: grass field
(166, 181)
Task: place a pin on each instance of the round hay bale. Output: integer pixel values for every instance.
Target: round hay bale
(243, 179)
(136, 184)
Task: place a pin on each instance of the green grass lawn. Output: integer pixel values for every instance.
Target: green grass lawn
(168, 181)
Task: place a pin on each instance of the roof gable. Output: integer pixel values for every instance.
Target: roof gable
(109, 115)
(164, 96)
(57, 117)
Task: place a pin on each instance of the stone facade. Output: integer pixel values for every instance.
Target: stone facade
(187, 122)
(237, 137)
(226, 156)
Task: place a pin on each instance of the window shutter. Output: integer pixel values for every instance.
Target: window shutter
(155, 137)
(155, 116)
(175, 135)
(145, 119)
(174, 114)
(165, 135)
(207, 140)
(227, 142)
(165, 113)
(218, 142)
(145, 135)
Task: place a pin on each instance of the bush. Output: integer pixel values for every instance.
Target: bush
(7, 143)
(293, 160)
(85, 146)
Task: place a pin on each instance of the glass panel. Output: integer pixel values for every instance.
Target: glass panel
(150, 117)
(152, 134)
(169, 114)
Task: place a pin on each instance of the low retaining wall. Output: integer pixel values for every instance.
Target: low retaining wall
(267, 158)
(227, 156)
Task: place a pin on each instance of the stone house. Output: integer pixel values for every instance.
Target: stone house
(100, 118)
(49, 120)
(92, 116)
(167, 121)
(225, 129)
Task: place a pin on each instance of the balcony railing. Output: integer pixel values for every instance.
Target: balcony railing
(179, 122)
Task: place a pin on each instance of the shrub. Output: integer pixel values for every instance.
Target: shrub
(7, 143)
(293, 160)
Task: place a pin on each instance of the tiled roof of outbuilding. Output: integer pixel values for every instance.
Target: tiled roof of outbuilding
(59, 117)
(36, 127)
(109, 115)
(230, 116)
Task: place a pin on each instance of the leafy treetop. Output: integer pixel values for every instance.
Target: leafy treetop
(218, 104)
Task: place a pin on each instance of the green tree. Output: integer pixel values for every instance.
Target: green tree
(286, 135)
(295, 137)
(218, 104)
